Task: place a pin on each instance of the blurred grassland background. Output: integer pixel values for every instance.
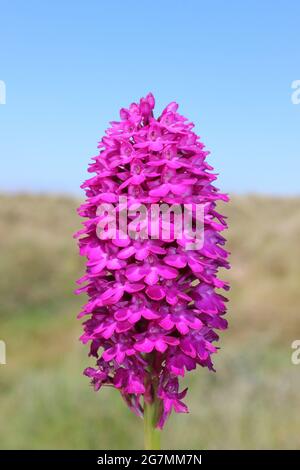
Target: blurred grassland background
(253, 401)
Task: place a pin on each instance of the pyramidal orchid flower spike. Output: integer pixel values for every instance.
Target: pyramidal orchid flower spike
(153, 302)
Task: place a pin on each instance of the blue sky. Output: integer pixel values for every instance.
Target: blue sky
(69, 66)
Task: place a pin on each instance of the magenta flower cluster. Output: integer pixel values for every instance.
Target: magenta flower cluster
(153, 307)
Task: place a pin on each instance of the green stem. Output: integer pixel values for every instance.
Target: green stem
(151, 433)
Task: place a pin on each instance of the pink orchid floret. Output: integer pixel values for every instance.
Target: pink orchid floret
(153, 305)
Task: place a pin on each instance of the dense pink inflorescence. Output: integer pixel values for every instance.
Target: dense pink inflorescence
(153, 307)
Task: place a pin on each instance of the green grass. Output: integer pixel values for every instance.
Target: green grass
(45, 401)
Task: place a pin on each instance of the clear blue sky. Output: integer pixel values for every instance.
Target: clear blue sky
(70, 65)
